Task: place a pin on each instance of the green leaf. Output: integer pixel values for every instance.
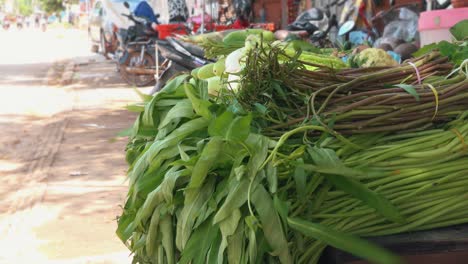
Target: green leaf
(342, 178)
(183, 109)
(123, 223)
(167, 234)
(228, 227)
(301, 45)
(239, 130)
(200, 106)
(235, 247)
(195, 201)
(183, 155)
(174, 86)
(143, 130)
(272, 177)
(351, 244)
(220, 125)
(172, 139)
(283, 210)
(261, 108)
(278, 89)
(300, 180)
(252, 246)
(213, 252)
(230, 127)
(446, 48)
(153, 229)
(460, 56)
(136, 108)
(163, 192)
(371, 198)
(140, 243)
(144, 97)
(236, 198)
(168, 102)
(424, 50)
(460, 30)
(409, 89)
(199, 243)
(271, 224)
(126, 132)
(151, 116)
(206, 161)
(328, 162)
(258, 147)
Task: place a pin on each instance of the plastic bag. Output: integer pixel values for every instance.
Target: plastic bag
(407, 14)
(404, 29)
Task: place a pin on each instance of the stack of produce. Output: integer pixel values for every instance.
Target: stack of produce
(362, 100)
(284, 160)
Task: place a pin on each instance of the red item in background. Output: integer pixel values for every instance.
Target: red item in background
(459, 3)
(165, 30)
(240, 24)
(266, 26)
(208, 26)
(222, 27)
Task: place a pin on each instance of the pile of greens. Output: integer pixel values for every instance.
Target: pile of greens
(295, 159)
(206, 186)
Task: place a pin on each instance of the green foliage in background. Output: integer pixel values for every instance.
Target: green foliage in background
(50, 6)
(25, 7)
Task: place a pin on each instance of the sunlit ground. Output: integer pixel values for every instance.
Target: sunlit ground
(23, 54)
(75, 222)
(31, 45)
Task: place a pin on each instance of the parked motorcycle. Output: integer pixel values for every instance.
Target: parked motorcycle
(136, 54)
(179, 57)
(315, 24)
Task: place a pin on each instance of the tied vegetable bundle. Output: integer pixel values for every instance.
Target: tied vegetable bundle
(291, 152)
(408, 96)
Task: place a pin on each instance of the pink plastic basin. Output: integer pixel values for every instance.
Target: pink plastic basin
(441, 18)
(434, 25)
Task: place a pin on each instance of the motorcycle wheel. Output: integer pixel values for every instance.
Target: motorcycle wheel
(138, 80)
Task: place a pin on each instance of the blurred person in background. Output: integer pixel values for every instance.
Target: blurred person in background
(28, 20)
(19, 22)
(37, 21)
(43, 22)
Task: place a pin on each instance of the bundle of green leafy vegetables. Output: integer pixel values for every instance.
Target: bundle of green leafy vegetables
(220, 179)
(205, 186)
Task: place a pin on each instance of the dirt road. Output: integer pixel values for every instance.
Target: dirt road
(62, 168)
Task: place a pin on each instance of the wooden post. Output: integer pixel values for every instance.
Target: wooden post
(284, 13)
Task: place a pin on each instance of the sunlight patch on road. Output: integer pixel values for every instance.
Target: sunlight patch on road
(7, 166)
(39, 102)
(34, 46)
(20, 244)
